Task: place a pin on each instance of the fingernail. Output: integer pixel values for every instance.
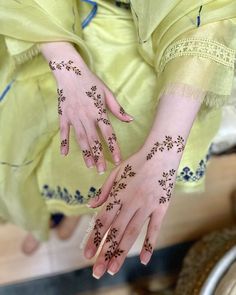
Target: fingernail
(90, 163)
(101, 169)
(117, 159)
(113, 268)
(88, 205)
(99, 271)
(89, 253)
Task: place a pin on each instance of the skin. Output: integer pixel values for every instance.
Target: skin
(139, 188)
(83, 100)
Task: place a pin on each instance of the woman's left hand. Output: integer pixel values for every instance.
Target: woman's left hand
(138, 189)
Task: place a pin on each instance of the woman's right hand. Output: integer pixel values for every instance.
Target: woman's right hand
(82, 102)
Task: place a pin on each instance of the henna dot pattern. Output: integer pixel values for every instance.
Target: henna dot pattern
(167, 144)
(112, 251)
(97, 149)
(97, 99)
(86, 153)
(64, 65)
(119, 185)
(111, 141)
(147, 245)
(122, 111)
(64, 143)
(97, 235)
(167, 185)
(98, 193)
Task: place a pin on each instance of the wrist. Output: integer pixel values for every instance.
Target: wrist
(61, 52)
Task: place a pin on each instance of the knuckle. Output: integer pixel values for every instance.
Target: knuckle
(132, 231)
(81, 136)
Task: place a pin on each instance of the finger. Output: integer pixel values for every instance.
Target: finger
(151, 237)
(95, 145)
(130, 235)
(103, 193)
(82, 140)
(102, 224)
(110, 246)
(64, 134)
(114, 106)
(111, 140)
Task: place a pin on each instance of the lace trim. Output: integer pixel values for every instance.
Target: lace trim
(27, 55)
(202, 48)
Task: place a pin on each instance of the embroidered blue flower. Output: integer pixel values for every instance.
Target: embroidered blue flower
(187, 175)
(64, 195)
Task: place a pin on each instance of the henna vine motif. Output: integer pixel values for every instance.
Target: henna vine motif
(148, 245)
(86, 153)
(112, 251)
(64, 142)
(97, 236)
(110, 142)
(166, 185)
(117, 186)
(61, 98)
(97, 148)
(97, 98)
(64, 65)
(167, 144)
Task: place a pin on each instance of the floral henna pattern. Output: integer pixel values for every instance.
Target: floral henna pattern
(97, 98)
(167, 185)
(112, 251)
(97, 236)
(111, 141)
(97, 149)
(61, 98)
(119, 185)
(167, 144)
(86, 153)
(148, 245)
(64, 65)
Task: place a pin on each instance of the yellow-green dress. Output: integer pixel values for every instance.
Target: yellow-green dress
(140, 50)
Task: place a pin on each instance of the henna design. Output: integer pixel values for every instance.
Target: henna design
(61, 98)
(64, 142)
(86, 153)
(62, 65)
(110, 142)
(97, 236)
(117, 186)
(97, 98)
(97, 194)
(97, 148)
(148, 245)
(167, 144)
(122, 111)
(166, 185)
(112, 251)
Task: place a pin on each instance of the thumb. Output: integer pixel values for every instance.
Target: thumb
(103, 192)
(116, 109)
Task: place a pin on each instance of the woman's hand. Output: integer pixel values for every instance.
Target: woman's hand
(138, 189)
(82, 102)
(141, 187)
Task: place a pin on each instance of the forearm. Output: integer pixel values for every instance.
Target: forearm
(175, 116)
